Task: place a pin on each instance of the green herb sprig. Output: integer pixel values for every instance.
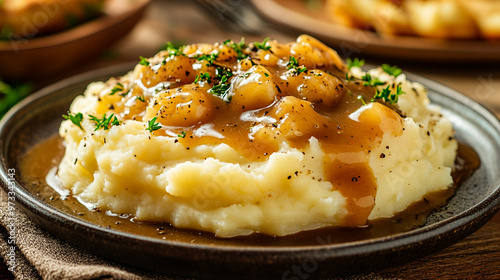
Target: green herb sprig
(262, 46)
(203, 77)
(76, 119)
(369, 81)
(153, 125)
(144, 61)
(387, 95)
(141, 98)
(391, 70)
(293, 65)
(222, 72)
(182, 134)
(209, 58)
(172, 49)
(104, 122)
(356, 62)
(117, 88)
(239, 48)
(222, 87)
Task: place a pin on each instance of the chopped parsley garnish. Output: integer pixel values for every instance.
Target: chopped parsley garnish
(221, 80)
(104, 122)
(221, 88)
(209, 58)
(144, 61)
(369, 81)
(153, 125)
(293, 65)
(76, 119)
(356, 62)
(223, 85)
(262, 46)
(203, 77)
(221, 72)
(140, 98)
(386, 95)
(117, 88)
(172, 49)
(182, 134)
(391, 70)
(239, 48)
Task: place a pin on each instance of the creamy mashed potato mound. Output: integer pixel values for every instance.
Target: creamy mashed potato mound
(236, 138)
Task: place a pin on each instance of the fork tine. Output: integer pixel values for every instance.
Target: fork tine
(242, 17)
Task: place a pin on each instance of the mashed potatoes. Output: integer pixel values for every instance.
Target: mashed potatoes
(237, 138)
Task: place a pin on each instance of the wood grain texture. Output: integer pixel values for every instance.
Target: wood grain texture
(477, 256)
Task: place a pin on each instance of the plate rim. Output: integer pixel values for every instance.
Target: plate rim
(479, 212)
(345, 37)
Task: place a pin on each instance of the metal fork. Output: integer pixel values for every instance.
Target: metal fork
(238, 15)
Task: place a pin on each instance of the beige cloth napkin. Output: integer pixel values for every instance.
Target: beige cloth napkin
(40, 255)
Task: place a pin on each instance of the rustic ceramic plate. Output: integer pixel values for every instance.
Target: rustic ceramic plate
(351, 42)
(42, 56)
(194, 254)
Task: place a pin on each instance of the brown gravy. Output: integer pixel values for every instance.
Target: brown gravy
(316, 99)
(45, 156)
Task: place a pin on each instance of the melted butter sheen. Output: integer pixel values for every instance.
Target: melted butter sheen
(267, 103)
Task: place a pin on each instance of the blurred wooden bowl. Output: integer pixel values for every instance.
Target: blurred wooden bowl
(43, 56)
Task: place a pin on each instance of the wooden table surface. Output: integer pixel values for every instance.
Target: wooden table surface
(477, 256)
